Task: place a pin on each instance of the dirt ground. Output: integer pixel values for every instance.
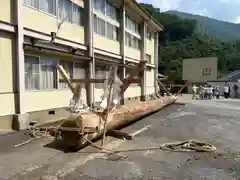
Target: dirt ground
(212, 121)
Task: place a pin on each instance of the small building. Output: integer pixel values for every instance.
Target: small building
(199, 70)
(232, 79)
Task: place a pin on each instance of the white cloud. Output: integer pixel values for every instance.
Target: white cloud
(163, 4)
(237, 20)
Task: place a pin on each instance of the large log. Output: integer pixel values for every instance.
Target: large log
(117, 118)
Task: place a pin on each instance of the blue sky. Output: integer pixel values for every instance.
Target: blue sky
(226, 10)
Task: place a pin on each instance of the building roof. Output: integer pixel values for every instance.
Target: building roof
(233, 76)
(146, 15)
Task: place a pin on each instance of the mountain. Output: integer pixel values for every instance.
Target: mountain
(221, 30)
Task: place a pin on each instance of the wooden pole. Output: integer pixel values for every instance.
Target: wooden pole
(180, 90)
(163, 87)
(109, 102)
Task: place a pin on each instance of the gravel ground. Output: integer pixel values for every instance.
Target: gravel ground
(215, 122)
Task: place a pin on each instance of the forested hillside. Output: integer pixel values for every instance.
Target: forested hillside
(218, 29)
(181, 39)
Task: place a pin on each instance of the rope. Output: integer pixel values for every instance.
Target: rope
(184, 146)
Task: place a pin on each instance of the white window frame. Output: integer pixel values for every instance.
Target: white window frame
(104, 12)
(39, 69)
(132, 41)
(132, 25)
(105, 35)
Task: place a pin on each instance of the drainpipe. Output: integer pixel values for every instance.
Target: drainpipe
(89, 43)
(156, 60)
(20, 120)
(142, 49)
(122, 43)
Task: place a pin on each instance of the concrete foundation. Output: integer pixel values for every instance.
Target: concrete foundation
(20, 121)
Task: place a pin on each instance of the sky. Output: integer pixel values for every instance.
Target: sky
(226, 10)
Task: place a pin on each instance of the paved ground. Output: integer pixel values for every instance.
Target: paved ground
(215, 122)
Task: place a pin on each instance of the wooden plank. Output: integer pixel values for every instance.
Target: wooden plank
(86, 81)
(139, 67)
(66, 78)
(161, 86)
(120, 134)
(180, 90)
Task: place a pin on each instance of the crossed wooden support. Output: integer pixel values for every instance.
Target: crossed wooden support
(126, 82)
(76, 89)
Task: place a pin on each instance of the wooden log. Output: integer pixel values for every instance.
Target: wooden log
(87, 81)
(117, 118)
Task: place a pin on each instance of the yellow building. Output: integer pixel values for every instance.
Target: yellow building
(84, 36)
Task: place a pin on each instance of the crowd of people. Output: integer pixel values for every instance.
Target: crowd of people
(210, 92)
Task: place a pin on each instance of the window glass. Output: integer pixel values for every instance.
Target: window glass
(33, 3)
(32, 74)
(77, 15)
(65, 10)
(48, 73)
(48, 6)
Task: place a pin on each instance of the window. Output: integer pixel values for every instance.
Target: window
(32, 72)
(100, 5)
(112, 32)
(67, 10)
(99, 26)
(106, 8)
(132, 25)
(77, 16)
(79, 71)
(111, 11)
(128, 70)
(100, 73)
(32, 3)
(48, 6)
(206, 71)
(40, 73)
(149, 34)
(48, 73)
(132, 41)
(68, 66)
(148, 58)
(106, 29)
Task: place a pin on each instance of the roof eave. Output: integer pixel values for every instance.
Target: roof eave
(158, 26)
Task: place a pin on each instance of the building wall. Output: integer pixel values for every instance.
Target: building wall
(200, 69)
(39, 25)
(47, 23)
(150, 81)
(7, 73)
(7, 11)
(105, 44)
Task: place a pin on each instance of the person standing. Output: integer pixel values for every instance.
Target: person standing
(217, 92)
(201, 92)
(209, 89)
(226, 91)
(213, 92)
(194, 89)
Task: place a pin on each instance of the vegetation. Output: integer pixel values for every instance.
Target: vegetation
(218, 29)
(182, 39)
